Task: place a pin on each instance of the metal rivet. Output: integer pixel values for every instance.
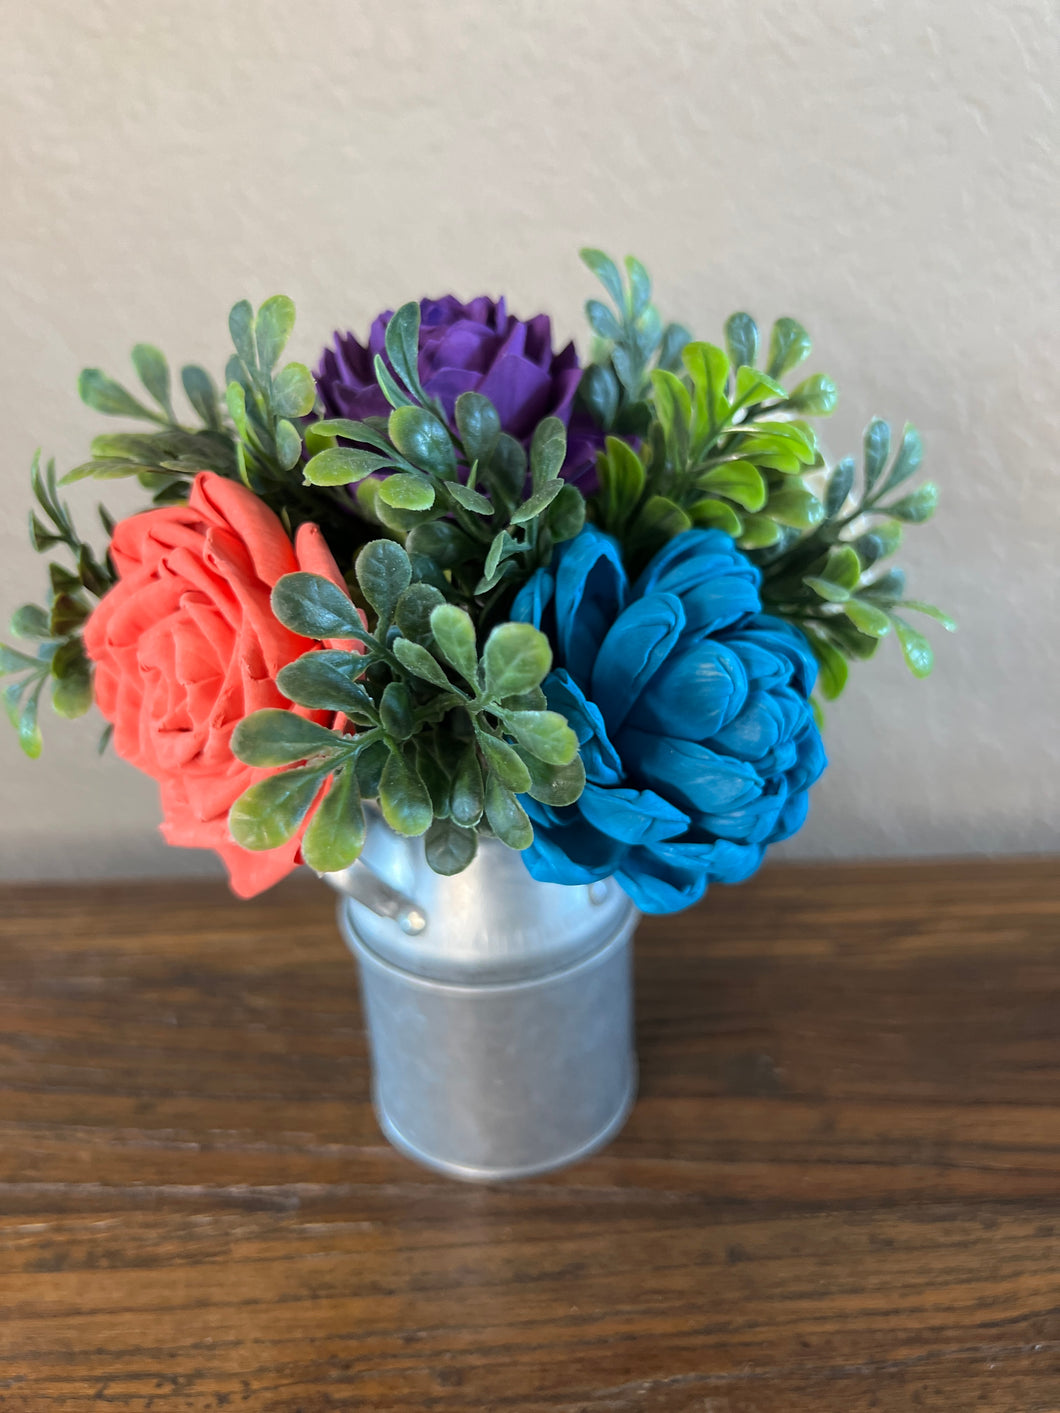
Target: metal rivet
(598, 893)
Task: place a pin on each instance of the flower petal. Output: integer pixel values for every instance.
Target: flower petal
(634, 649)
(694, 694)
(689, 773)
(632, 816)
(591, 590)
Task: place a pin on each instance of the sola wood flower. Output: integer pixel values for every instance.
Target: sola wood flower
(474, 347)
(186, 645)
(692, 716)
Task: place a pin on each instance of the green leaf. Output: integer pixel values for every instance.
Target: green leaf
(739, 481)
(867, 618)
(622, 479)
(343, 465)
(274, 736)
(294, 391)
(420, 662)
(413, 612)
(72, 691)
(915, 648)
(200, 391)
(449, 848)
(887, 588)
(29, 737)
(663, 518)
(599, 394)
(834, 669)
(555, 785)
(708, 367)
(469, 499)
(839, 486)
(395, 711)
(825, 589)
(759, 531)
(516, 658)
(883, 539)
(506, 816)
(404, 798)
(852, 641)
(639, 286)
(792, 504)
(29, 621)
(11, 660)
(327, 681)
(384, 573)
(606, 271)
(505, 473)
(402, 344)
(789, 344)
(369, 765)
(454, 633)
(425, 440)
(236, 402)
(272, 329)
(741, 340)
(67, 615)
(672, 345)
(932, 612)
(270, 812)
(817, 396)
(548, 450)
(479, 425)
(504, 760)
(843, 566)
(104, 395)
(335, 835)
(566, 514)
(352, 431)
(389, 386)
(241, 328)
(288, 445)
(538, 503)
(153, 371)
(442, 541)
(407, 491)
(717, 514)
(314, 607)
(915, 508)
(467, 797)
(753, 386)
(907, 462)
(602, 321)
(877, 447)
(544, 734)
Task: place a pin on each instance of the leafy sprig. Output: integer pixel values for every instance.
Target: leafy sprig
(447, 735)
(60, 658)
(723, 444)
(631, 343)
(832, 582)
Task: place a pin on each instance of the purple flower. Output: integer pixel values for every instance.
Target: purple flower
(474, 347)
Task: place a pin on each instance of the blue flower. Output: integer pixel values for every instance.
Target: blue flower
(691, 708)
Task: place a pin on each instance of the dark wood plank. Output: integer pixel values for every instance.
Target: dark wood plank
(840, 1189)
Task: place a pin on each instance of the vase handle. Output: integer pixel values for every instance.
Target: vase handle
(364, 886)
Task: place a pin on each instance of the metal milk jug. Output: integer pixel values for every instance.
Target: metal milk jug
(499, 1009)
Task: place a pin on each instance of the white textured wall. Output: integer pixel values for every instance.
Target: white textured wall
(884, 171)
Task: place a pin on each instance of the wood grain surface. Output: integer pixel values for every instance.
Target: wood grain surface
(840, 1189)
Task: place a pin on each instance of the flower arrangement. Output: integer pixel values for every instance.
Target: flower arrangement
(581, 609)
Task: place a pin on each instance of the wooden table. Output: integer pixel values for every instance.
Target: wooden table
(840, 1189)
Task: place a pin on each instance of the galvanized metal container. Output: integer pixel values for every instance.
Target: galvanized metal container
(499, 1009)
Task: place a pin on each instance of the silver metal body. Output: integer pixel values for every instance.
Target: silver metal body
(499, 1009)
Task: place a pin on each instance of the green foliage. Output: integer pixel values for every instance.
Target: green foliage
(830, 581)
(60, 659)
(722, 444)
(450, 731)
